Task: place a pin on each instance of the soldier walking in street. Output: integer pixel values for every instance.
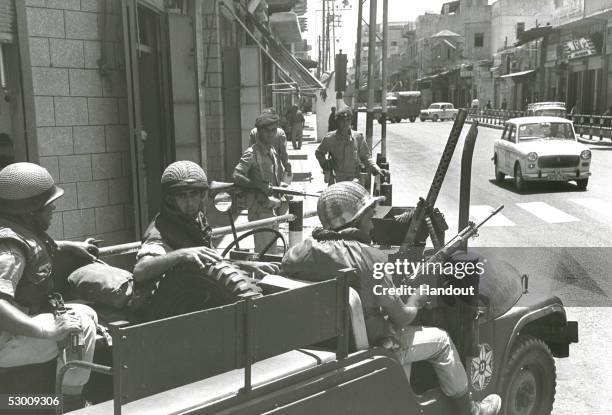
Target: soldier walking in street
(347, 150)
(279, 142)
(258, 169)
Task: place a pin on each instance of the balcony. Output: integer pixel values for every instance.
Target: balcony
(286, 26)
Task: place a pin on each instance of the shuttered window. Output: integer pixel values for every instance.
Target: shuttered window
(8, 22)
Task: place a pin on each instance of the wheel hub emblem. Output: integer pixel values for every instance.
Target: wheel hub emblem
(481, 367)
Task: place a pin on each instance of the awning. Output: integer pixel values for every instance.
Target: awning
(295, 77)
(515, 74)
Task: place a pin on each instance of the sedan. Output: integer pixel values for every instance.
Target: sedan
(439, 111)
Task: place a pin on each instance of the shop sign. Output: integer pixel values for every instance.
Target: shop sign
(580, 48)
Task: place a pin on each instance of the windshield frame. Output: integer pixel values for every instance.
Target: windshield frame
(522, 128)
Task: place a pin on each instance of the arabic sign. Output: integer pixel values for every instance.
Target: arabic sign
(579, 48)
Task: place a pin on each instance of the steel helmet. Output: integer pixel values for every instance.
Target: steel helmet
(26, 187)
(343, 203)
(184, 174)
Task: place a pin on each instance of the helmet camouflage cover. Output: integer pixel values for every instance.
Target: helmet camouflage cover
(26, 187)
(343, 203)
(184, 174)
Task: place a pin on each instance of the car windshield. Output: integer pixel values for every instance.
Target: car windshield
(434, 107)
(545, 130)
(551, 113)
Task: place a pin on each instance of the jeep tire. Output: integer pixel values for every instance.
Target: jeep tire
(528, 380)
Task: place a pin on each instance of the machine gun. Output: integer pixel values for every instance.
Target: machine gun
(417, 232)
(56, 302)
(330, 175)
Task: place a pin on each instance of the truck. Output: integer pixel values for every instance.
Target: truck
(401, 105)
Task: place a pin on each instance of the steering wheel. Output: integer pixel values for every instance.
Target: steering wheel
(276, 233)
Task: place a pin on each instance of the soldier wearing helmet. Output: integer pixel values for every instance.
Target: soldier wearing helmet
(347, 150)
(258, 169)
(345, 210)
(179, 234)
(28, 335)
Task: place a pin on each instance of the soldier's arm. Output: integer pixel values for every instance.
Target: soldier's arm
(365, 155)
(320, 153)
(241, 173)
(284, 157)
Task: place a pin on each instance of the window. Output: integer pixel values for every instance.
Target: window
(478, 40)
(520, 28)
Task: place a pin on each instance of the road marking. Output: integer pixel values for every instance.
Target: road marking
(547, 212)
(479, 212)
(597, 205)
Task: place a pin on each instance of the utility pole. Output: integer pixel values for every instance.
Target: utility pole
(357, 65)
(371, 62)
(322, 57)
(383, 116)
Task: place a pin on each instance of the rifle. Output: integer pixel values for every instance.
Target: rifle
(59, 308)
(417, 232)
(330, 175)
(287, 191)
(455, 244)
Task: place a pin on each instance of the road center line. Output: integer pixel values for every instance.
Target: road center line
(547, 212)
(479, 212)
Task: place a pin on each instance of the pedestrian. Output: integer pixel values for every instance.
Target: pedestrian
(279, 142)
(488, 106)
(28, 334)
(345, 211)
(332, 124)
(177, 245)
(258, 170)
(346, 149)
(504, 104)
(297, 128)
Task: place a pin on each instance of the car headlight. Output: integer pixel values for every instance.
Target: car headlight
(532, 156)
(585, 155)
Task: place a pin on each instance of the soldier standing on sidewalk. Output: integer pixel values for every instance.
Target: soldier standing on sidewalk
(347, 150)
(279, 142)
(258, 169)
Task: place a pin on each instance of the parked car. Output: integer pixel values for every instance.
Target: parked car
(541, 149)
(439, 111)
(551, 109)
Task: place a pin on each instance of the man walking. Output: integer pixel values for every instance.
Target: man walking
(342, 152)
(332, 124)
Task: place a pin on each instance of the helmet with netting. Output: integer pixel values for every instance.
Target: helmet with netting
(343, 203)
(26, 187)
(182, 175)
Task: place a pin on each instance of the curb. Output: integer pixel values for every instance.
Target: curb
(597, 143)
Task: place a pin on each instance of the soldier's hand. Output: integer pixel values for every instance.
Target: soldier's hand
(417, 300)
(86, 249)
(260, 269)
(199, 255)
(61, 327)
(265, 188)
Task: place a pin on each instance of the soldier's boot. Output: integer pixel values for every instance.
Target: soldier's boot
(491, 405)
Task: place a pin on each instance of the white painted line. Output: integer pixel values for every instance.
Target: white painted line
(547, 212)
(479, 212)
(597, 205)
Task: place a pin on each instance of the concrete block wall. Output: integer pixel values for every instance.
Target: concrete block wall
(213, 83)
(81, 115)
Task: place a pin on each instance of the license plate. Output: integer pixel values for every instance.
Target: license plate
(557, 176)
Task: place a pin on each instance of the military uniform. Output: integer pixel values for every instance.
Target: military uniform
(261, 165)
(347, 155)
(279, 145)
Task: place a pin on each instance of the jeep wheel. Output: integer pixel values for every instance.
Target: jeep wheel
(499, 176)
(413, 119)
(519, 182)
(528, 380)
(582, 184)
(435, 118)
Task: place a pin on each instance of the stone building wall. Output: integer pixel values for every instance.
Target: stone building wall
(81, 114)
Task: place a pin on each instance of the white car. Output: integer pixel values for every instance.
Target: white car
(552, 109)
(439, 111)
(541, 149)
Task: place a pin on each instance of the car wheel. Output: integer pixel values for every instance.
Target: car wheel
(435, 118)
(422, 119)
(519, 182)
(499, 176)
(528, 379)
(582, 184)
(413, 119)
(398, 119)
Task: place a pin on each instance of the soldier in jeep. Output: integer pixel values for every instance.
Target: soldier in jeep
(345, 211)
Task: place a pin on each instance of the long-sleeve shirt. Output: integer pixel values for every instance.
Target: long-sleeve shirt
(347, 154)
(279, 144)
